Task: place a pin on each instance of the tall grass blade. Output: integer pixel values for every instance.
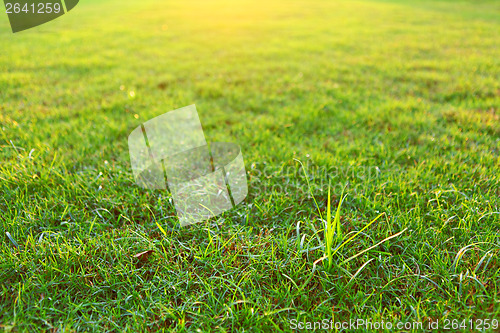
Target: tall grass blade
(329, 230)
(310, 189)
(337, 216)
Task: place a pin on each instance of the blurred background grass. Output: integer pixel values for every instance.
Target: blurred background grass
(324, 66)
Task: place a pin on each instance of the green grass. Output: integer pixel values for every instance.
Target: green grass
(400, 100)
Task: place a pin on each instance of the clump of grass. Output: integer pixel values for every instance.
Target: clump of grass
(331, 226)
(333, 230)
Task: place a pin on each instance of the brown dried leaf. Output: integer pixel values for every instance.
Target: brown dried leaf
(143, 255)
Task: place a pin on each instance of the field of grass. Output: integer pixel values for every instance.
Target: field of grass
(398, 99)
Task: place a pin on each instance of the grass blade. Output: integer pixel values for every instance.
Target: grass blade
(13, 241)
(371, 247)
(356, 234)
(329, 230)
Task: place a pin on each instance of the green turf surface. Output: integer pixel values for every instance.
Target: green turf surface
(399, 99)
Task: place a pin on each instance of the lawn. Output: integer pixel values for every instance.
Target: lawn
(399, 100)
